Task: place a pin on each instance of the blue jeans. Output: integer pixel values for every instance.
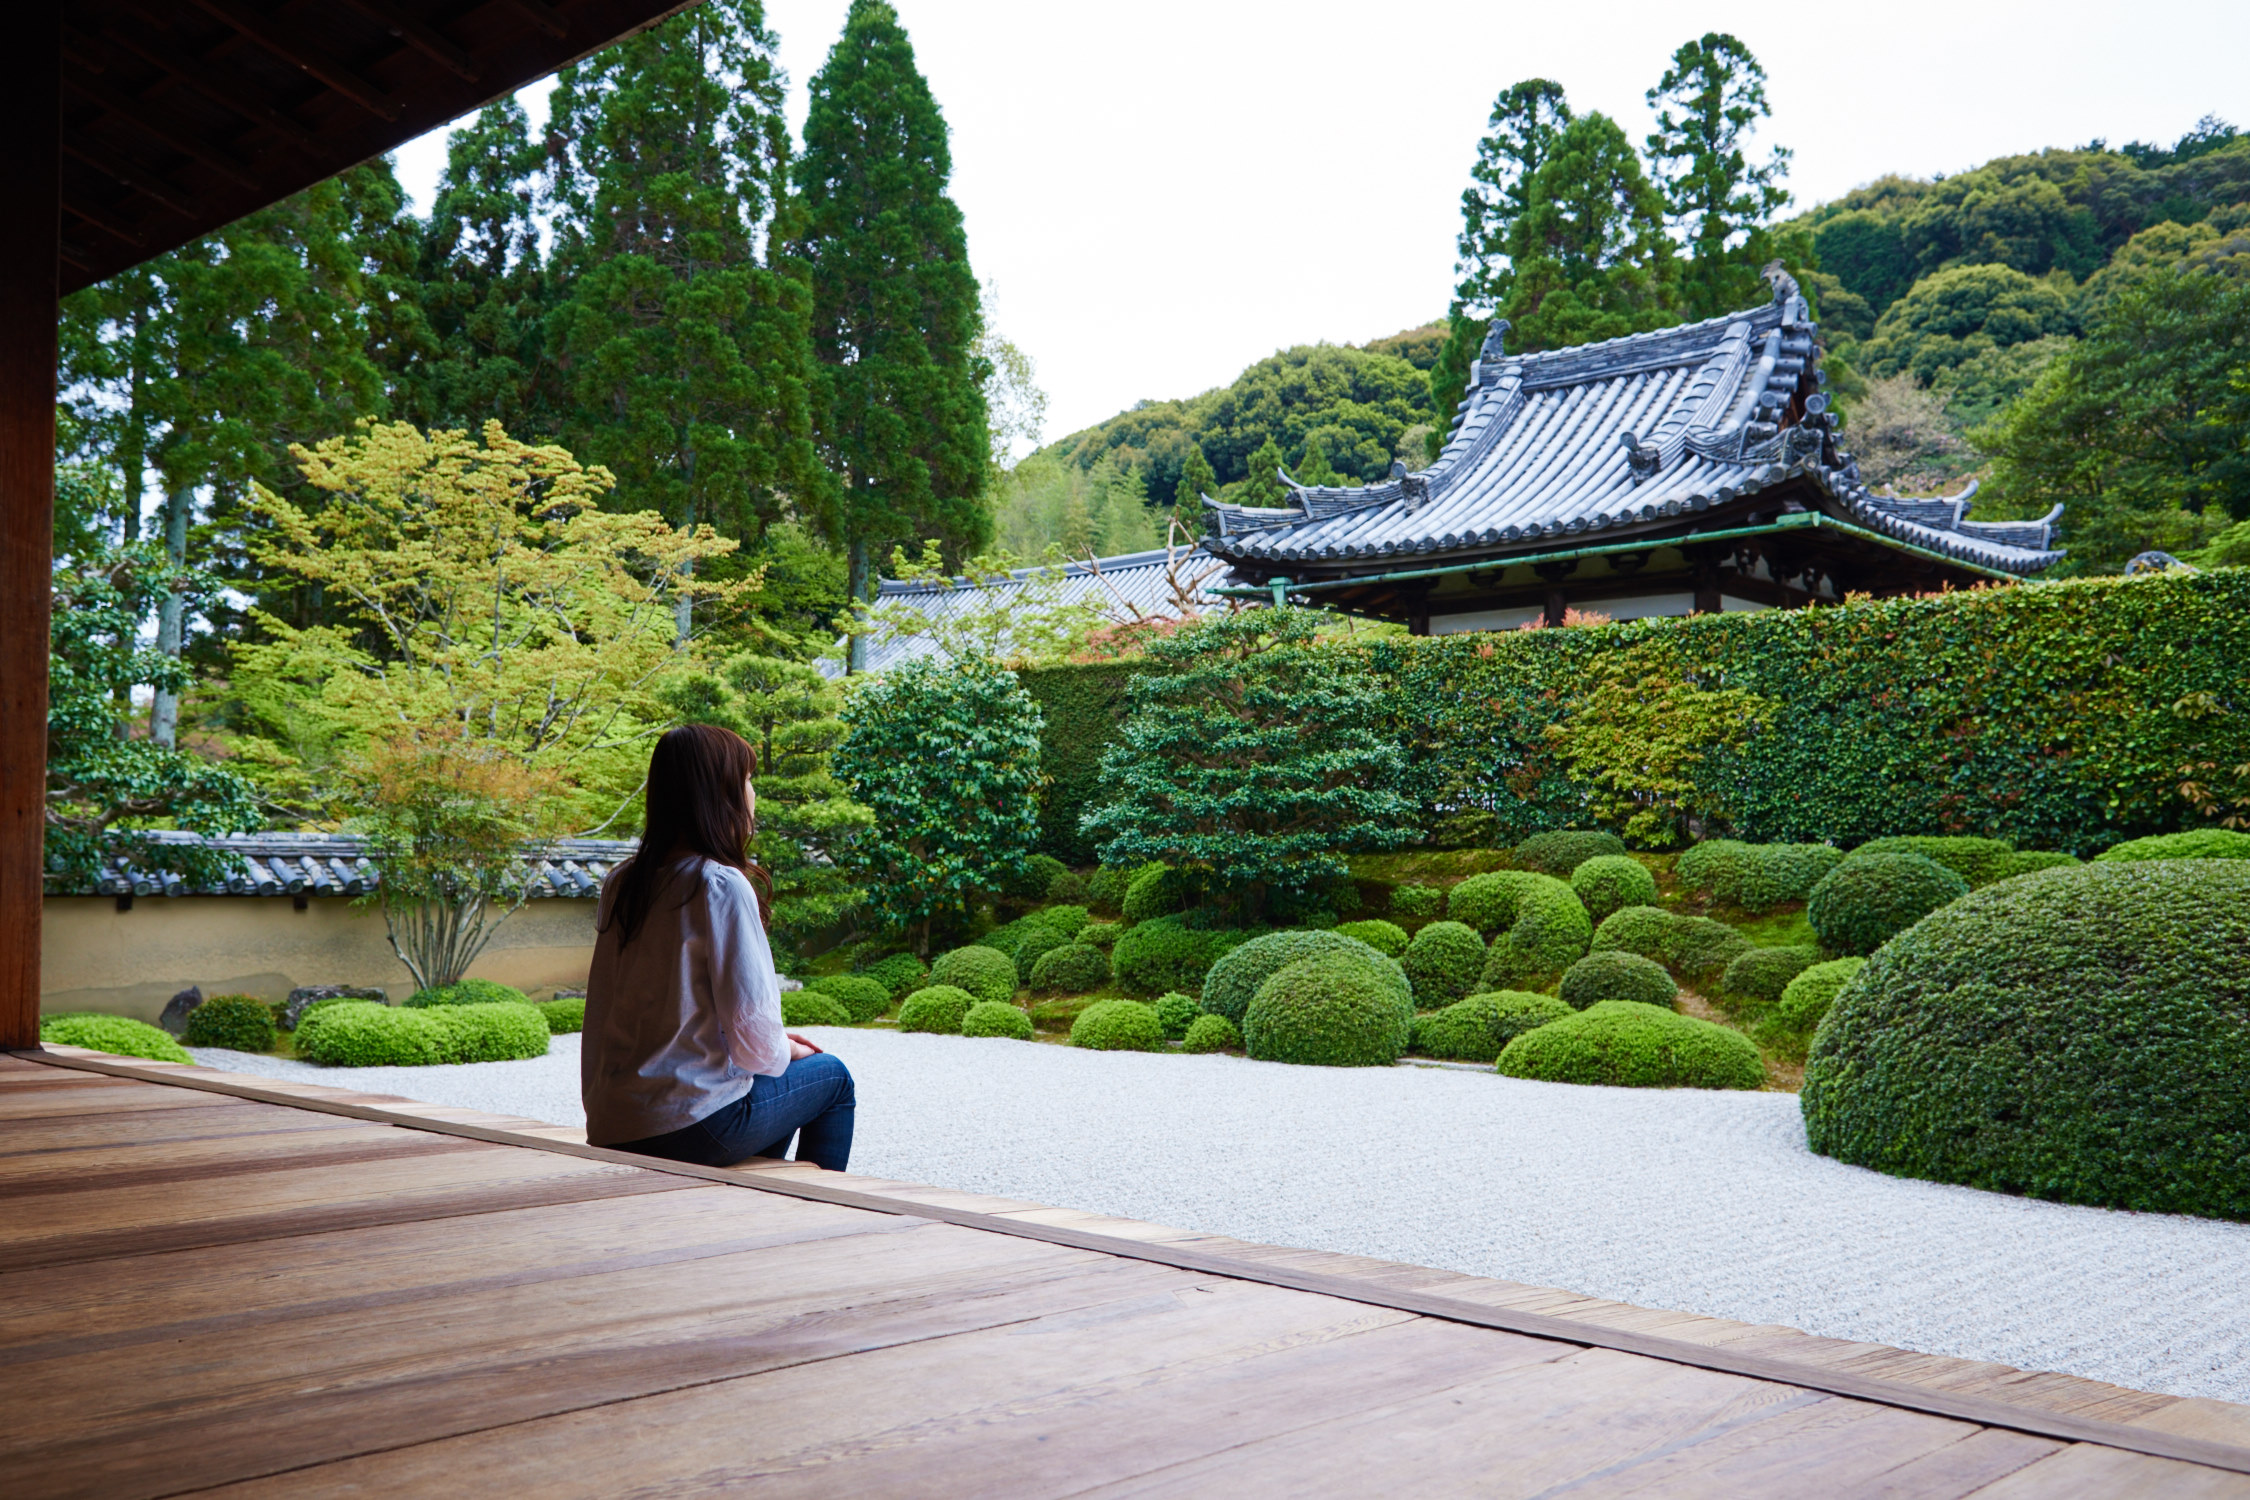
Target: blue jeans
(812, 1101)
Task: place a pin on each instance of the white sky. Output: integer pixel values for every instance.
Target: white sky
(1168, 191)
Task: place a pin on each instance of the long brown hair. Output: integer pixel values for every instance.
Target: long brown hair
(695, 806)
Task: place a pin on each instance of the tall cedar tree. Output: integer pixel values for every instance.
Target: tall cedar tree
(896, 307)
(1590, 256)
(1706, 104)
(686, 357)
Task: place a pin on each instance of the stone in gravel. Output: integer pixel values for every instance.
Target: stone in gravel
(301, 998)
(176, 1009)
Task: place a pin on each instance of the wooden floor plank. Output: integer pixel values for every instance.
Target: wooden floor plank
(102, 1098)
(1980, 1458)
(60, 1133)
(208, 1160)
(2085, 1472)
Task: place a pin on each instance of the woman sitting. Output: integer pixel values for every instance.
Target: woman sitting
(683, 1055)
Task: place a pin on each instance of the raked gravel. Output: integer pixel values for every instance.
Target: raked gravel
(1682, 1199)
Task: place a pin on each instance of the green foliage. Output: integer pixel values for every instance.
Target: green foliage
(1072, 969)
(1208, 1033)
(564, 1015)
(863, 996)
(1476, 1029)
(1443, 963)
(985, 973)
(901, 974)
(243, 1023)
(1031, 880)
(1635, 1046)
(940, 1008)
(1614, 975)
(1710, 187)
(1789, 1027)
(362, 1034)
(1413, 901)
(1871, 898)
(1540, 926)
(2030, 861)
(1105, 890)
(468, 992)
(1118, 1026)
(1608, 882)
(120, 1036)
(1080, 706)
(812, 1008)
(1164, 954)
(996, 1018)
(2196, 843)
(1755, 877)
(947, 758)
(2080, 1034)
(1978, 861)
(1386, 938)
(1234, 979)
(502, 1032)
(1696, 950)
(1256, 761)
(1755, 981)
(1156, 891)
(1590, 256)
(1336, 1009)
(1033, 935)
(1099, 934)
(1177, 1012)
(1561, 852)
(1952, 316)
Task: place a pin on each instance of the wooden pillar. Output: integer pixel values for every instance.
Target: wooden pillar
(1707, 588)
(1558, 598)
(30, 186)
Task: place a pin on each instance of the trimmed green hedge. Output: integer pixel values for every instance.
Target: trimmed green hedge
(1177, 1012)
(2196, 843)
(1871, 898)
(1443, 963)
(1612, 975)
(1755, 981)
(1072, 969)
(492, 1031)
(243, 1023)
(1696, 950)
(939, 1008)
(1080, 705)
(1208, 1033)
(812, 1008)
(363, 1034)
(1561, 852)
(1233, 981)
(564, 1015)
(1165, 954)
(1155, 892)
(985, 973)
(1635, 1046)
(1337, 1009)
(1755, 877)
(1541, 926)
(901, 975)
(1476, 1029)
(1417, 901)
(1978, 861)
(1386, 938)
(1789, 1027)
(2079, 1034)
(1611, 882)
(1100, 934)
(997, 1018)
(862, 996)
(1118, 1026)
(468, 992)
(120, 1036)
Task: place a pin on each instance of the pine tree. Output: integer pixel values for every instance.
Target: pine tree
(1262, 485)
(1196, 481)
(1709, 186)
(1314, 468)
(1589, 256)
(895, 320)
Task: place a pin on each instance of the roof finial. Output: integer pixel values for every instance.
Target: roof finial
(1643, 459)
(1495, 341)
(1784, 285)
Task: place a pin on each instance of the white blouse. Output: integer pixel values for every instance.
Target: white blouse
(680, 1020)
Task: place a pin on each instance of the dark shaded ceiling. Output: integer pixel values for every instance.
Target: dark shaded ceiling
(179, 116)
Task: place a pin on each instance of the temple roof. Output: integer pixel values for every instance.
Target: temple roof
(1601, 440)
(335, 864)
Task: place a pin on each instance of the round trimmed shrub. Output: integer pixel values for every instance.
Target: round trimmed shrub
(996, 1018)
(2198, 843)
(2030, 861)
(1698, 950)
(1108, 885)
(1563, 851)
(1443, 963)
(564, 1015)
(986, 973)
(120, 1036)
(901, 975)
(1608, 882)
(1233, 981)
(489, 1031)
(243, 1023)
(1209, 1033)
(1790, 1026)
(1157, 891)
(1871, 898)
(862, 998)
(1072, 969)
(941, 1008)
(1100, 934)
(1336, 1010)
(1067, 888)
(1635, 1046)
(1978, 861)
(1416, 901)
(1755, 877)
(1034, 946)
(1475, 1029)
(1625, 977)
(1753, 983)
(1386, 938)
(1118, 1026)
(364, 1034)
(812, 1008)
(1634, 929)
(1165, 954)
(467, 992)
(2079, 1034)
(1177, 1012)
(1542, 926)
(1030, 880)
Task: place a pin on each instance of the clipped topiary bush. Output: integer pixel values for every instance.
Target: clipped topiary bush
(564, 1015)
(1072, 969)
(1118, 1026)
(1335, 1010)
(812, 1008)
(120, 1036)
(1626, 977)
(1475, 1029)
(1634, 929)
(1871, 898)
(488, 1031)
(1753, 983)
(940, 1008)
(243, 1023)
(2028, 861)
(1415, 901)
(1208, 1033)
(1108, 885)
(1561, 852)
(1031, 880)
(1386, 938)
(1609, 882)
(1067, 889)
(468, 992)
(1234, 979)
(1443, 963)
(2197, 843)
(1100, 934)
(2079, 1034)
(986, 973)
(996, 1018)
(1755, 877)
(1157, 891)
(1978, 861)
(901, 974)
(363, 1034)
(1635, 1046)
(1177, 1012)
(1165, 954)
(1542, 926)
(1698, 949)
(862, 998)
(1789, 1027)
